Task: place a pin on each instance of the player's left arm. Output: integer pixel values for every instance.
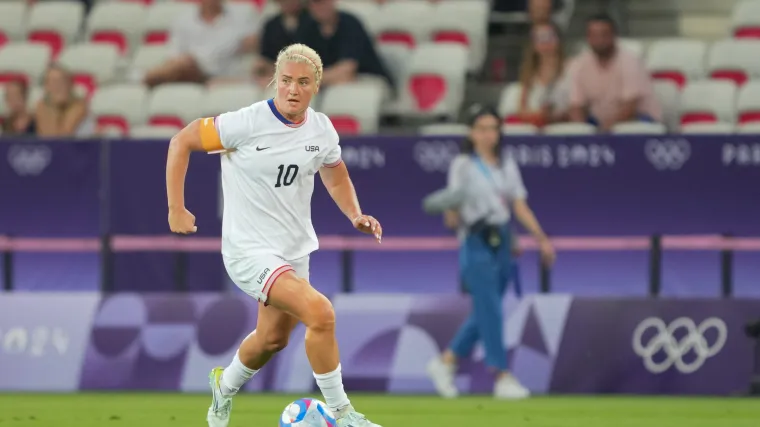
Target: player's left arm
(337, 181)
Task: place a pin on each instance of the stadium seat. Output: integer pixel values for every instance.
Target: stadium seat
(749, 128)
(639, 128)
(55, 23)
(119, 107)
(708, 129)
(435, 81)
(348, 116)
(117, 22)
(708, 101)
(464, 22)
(517, 129)
(444, 129)
(160, 18)
(748, 103)
(404, 22)
(395, 57)
(668, 94)
(679, 60)
(175, 104)
(735, 60)
(12, 21)
(569, 129)
(367, 12)
(229, 97)
(745, 19)
(153, 132)
(147, 57)
(91, 64)
(509, 102)
(22, 60)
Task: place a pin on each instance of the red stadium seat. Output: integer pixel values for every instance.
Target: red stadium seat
(749, 117)
(9, 76)
(113, 122)
(346, 125)
(156, 37)
(747, 33)
(676, 77)
(87, 81)
(113, 37)
(174, 121)
(51, 38)
(698, 117)
(428, 90)
(451, 36)
(737, 76)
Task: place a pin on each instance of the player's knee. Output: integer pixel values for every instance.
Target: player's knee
(321, 314)
(275, 341)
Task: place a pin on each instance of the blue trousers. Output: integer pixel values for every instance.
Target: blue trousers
(485, 273)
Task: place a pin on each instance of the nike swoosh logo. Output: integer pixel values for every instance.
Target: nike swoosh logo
(262, 149)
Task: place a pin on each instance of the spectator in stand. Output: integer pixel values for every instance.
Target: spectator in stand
(61, 112)
(18, 121)
(279, 32)
(544, 84)
(205, 44)
(610, 85)
(346, 48)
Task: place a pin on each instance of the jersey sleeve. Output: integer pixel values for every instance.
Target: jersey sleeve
(226, 131)
(333, 157)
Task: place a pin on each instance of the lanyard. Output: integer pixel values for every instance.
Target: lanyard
(487, 172)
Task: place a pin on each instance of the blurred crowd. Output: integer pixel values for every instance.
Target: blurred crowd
(603, 85)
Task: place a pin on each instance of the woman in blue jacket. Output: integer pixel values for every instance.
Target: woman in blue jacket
(486, 189)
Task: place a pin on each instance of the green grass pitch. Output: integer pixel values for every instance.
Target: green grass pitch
(262, 410)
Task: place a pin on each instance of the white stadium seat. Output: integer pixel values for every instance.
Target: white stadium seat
(12, 21)
(639, 128)
(120, 107)
(708, 101)
(444, 129)
(745, 19)
(149, 56)
(679, 60)
(91, 64)
(668, 94)
(160, 18)
(708, 129)
(347, 115)
(175, 104)
(735, 60)
(748, 103)
(435, 81)
(55, 23)
(569, 129)
(117, 22)
(153, 132)
(464, 22)
(229, 97)
(517, 129)
(404, 22)
(395, 57)
(24, 60)
(749, 128)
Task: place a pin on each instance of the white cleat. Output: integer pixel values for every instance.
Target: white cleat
(508, 387)
(221, 405)
(348, 417)
(442, 376)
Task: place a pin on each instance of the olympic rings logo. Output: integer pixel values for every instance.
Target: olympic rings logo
(667, 154)
(665, 341)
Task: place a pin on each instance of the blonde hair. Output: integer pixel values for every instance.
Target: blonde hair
(299, 53)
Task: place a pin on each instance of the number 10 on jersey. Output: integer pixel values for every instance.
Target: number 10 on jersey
(289, 173)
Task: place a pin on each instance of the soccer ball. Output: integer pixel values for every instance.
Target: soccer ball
(307, 412)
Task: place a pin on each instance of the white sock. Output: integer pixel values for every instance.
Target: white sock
(235, 375)
(331, 385)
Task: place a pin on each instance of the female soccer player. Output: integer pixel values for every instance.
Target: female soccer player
(485, 188)
(272, 150)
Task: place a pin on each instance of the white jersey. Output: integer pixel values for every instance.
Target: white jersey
(268, 178)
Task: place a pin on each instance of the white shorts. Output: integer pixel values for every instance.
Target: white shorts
(255, 275)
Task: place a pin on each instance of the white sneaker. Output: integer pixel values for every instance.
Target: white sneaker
(442, 376)
(221, 405)
(508, 387)
(348, 417)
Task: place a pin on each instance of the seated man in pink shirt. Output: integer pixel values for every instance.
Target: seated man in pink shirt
(608, 84)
